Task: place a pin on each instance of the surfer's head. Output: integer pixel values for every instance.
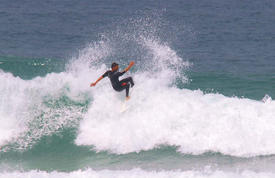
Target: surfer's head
(114, 66)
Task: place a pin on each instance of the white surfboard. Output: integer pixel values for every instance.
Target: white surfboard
(124, 107)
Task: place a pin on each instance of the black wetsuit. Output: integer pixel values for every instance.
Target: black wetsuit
(119, 85)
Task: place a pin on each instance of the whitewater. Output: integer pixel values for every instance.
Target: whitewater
(137, 173)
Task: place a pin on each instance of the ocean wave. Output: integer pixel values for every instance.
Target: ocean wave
(137, 173)
(160, 112)
(164, 115)
(30, 109)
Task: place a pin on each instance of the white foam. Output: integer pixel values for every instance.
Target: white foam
(194, 121)
(24, 114)
(161, 114)
(11, 102)
(25, 117)
(136, 173)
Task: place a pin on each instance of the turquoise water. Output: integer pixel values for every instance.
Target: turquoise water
(202, 105)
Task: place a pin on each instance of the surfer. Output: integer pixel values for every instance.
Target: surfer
(114, 74)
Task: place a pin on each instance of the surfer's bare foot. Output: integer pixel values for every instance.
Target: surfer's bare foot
(127, 98)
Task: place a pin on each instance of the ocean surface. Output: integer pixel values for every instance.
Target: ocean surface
(202, 105)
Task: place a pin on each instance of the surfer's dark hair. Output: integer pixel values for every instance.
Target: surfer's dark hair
(114, 64)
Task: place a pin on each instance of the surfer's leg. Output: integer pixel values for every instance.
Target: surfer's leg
(124, 86)
(127, 90)
(126, 80)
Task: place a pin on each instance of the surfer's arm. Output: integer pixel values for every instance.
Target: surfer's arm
(93, 84)
(100, 78)
(129, 67)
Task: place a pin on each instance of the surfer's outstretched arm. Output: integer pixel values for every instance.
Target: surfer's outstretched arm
(93, 84)
(101, 77)
(129, 67)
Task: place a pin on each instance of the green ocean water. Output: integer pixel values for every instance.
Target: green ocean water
(28, 68)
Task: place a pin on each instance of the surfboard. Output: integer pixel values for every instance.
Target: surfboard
(124, 107)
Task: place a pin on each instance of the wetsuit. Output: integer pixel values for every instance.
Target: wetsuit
(119, 85)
